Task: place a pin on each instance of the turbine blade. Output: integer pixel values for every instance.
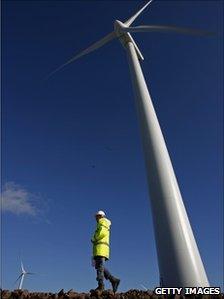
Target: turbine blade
(165, 29)
(140, 56)
(131, 20)
(90, 49)
(142, 285)
(22, 268)
(30, 273)
(18, 278)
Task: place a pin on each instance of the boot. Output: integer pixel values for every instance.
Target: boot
(100, 287)
(114, 282)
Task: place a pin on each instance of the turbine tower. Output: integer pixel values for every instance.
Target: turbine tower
(179, 260)
(22, 275)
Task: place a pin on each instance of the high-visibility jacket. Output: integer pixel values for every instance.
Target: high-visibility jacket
(101, 238)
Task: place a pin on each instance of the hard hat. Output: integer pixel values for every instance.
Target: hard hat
(101, 213)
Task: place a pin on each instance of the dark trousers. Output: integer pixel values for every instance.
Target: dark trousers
(100, 269)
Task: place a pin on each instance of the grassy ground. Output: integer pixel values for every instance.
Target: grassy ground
(132, 294)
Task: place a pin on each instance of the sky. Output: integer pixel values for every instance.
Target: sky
(71, 144)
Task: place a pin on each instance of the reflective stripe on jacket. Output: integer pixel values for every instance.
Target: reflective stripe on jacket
(101, 238)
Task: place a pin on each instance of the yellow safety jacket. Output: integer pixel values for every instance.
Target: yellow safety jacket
(101, 238)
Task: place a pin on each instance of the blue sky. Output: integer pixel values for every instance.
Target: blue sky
(71, 145)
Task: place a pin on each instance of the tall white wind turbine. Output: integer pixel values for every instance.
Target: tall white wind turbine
(22, 275)
(180, 264)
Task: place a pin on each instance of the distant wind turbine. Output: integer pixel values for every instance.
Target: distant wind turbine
(142, 285)
(22, 275)
(180, 264)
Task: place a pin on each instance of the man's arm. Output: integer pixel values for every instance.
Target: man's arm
(99, 234)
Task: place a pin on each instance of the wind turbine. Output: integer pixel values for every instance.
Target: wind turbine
(179, 260)
(144, 287)
(22, 275)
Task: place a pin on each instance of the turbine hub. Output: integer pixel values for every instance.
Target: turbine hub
(118, 26)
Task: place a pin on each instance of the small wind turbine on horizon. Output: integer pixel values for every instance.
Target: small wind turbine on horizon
(22, 276)
(144, 287)
(179, 260)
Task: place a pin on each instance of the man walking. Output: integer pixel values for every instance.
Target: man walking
(101, 251)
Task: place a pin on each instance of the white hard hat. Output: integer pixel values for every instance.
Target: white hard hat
(100, 213)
